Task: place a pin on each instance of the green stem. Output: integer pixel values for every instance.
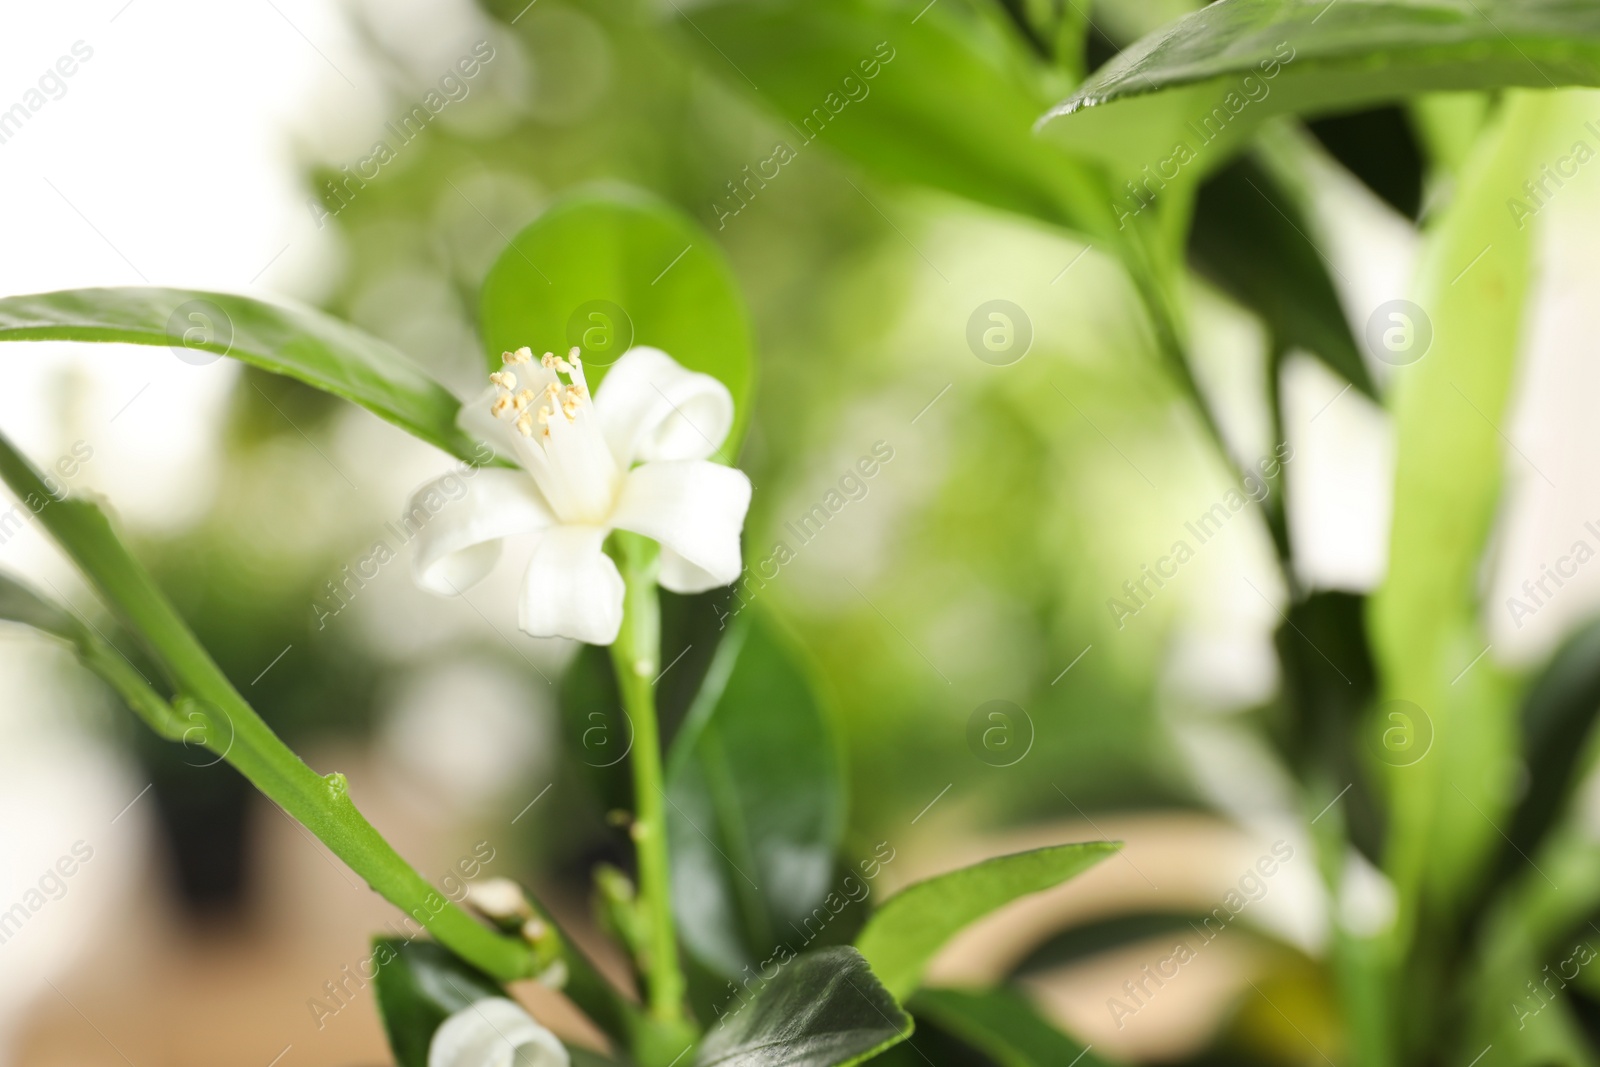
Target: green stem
(225, 723)
(636, 657)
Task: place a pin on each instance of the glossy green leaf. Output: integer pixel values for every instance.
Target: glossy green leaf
(903, 936)
(609, 267)
(1341, 54)
(1001, 1024)
(755, 784)
(297, 342)
(419, 985)
(942, 97)
(822, 1009)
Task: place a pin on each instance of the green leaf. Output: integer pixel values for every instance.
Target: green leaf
(297, 342)
(755, 783)
(20, 604)
(1338, 55)
(823, 1009)
(1425, 620)
(1558, 717)
(943, 98)
(609, 267)
(1003, 1025)
(905, 934)
(1250, 237)
(420, 984)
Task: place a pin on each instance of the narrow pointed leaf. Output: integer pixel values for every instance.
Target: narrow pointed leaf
(1338, 55)
(903, 936)
(1250, 237)
(297, 342)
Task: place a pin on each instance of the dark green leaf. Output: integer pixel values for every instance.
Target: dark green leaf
(1081, 942)
(905, 934)
(419, 985)
(756, 789)
(1334, 56)
(610, 267)
(297, 342)
(942, 98)
(1558, 714)
(823, 1009)
(1002, 1024)
(1251, 238)
(1328, 687)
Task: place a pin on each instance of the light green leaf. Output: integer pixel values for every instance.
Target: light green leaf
(609, 267)
(822, 1009)
(297, 342)
(1342, 54)
(756, 814)
(1424, 620)
(904, 935)
(1002, 1025)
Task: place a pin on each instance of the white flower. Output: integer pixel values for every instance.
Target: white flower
(495, 1033)
(635, 457)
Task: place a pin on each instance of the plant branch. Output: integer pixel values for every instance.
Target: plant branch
(224, 722)
(636, 657)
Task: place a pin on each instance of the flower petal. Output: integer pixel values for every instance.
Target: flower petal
(572, 589)
(459, 520)
(495, 1032)
(652, 408)
(696, 510)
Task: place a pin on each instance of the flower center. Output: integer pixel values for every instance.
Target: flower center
(567, 452)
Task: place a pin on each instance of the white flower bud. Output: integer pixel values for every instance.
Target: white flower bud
(495, 1033)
